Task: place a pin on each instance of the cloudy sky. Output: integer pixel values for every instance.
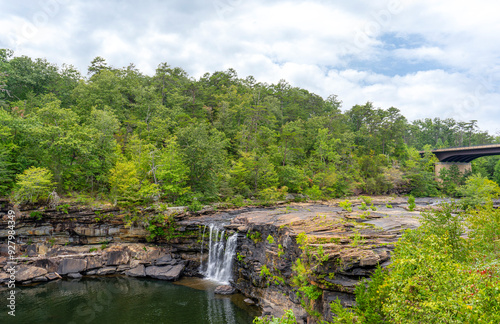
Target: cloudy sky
(428, 58)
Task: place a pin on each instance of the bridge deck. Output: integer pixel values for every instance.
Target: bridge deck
(465, 153)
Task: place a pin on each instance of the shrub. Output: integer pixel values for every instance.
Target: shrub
(33, 185)
(346, 205)
(436, 274)
(411, 203)
(314, 192)
(287, 318)
(478, 190)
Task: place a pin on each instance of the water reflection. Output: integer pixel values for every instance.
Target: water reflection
(126, 300)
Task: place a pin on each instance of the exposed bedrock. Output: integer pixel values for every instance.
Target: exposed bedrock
(336, 248)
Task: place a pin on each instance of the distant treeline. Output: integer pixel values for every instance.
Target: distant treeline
(126, 136)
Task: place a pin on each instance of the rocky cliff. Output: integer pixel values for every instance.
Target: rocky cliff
(299, 256)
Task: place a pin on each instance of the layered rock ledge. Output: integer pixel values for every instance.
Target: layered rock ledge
(132, 259)
(75, 242)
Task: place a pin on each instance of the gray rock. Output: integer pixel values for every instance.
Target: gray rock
(40, 279)
(267, 310)
(4, 277)
(71, 266)
(31, 251)
(75, 275)
(106, 271)
(25, 273)
(166, 272)
(137, 271)
(249, 301)
(123, 267)
(94, 262)
(91, 272)
(117, 258)
(135, 263)
(51, 265)
(224, 290)
(165, 260)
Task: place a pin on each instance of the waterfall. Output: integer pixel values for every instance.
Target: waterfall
(220, 255)
(202, 244)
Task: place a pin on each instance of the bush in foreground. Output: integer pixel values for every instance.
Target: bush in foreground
(33, 185)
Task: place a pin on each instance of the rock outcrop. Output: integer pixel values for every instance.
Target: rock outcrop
(133, 259)
(336, 248)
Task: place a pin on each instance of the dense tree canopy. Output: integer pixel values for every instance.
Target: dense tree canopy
(124, 135)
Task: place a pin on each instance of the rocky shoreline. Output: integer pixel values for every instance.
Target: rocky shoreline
(133, 259)
(78, 242)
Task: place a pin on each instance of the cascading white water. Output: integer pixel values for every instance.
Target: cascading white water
(220, 255)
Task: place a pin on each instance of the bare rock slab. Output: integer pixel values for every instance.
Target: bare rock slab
(25, 273)
(71, 266)
(165, 260)
(117, 258)
(166, 272)
(138, 271)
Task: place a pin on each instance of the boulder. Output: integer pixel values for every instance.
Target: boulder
(94, 262)
(135, 263)
(4, 277)
(137, 271)
(52, 276)
(166, 272)
(123, 267)
(25, 273)
(224, 290)
(75, 275)
(117, 258)
(51, 265)
(31, 250)
(267, 310)
(106, 271)
(165, 260)
(249, 301)
(40, 279)
(71, 265)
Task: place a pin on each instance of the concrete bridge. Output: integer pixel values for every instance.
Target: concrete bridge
(462, 156)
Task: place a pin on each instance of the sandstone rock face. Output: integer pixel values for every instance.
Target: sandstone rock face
(71, 266)
(117, 258)
(346, 246)
(25, 273)
(51, 265)
(94, 262)
(4, 277)
(352, 245)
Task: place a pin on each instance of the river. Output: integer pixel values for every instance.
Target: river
(126, 300)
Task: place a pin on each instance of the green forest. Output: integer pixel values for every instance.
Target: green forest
(118, 135)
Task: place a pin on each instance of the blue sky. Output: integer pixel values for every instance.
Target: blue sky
(427, 58)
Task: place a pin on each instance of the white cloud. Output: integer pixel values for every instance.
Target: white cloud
(443, 63)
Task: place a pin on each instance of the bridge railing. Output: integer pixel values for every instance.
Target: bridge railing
(467, 147)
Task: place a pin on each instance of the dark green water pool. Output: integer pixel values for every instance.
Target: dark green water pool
(126, 300)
